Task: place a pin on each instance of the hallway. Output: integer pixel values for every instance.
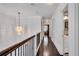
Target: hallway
(23, 27)
(50, 50)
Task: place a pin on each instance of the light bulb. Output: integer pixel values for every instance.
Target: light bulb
(49, 3)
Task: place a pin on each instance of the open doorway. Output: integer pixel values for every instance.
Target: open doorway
(66, 32)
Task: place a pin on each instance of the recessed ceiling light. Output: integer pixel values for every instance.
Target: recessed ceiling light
(49, 3)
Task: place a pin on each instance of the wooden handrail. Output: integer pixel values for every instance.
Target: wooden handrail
(12, 48)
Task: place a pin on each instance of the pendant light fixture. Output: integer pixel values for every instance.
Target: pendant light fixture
(19, 28)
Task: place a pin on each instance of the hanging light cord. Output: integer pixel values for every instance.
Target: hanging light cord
(19, 18)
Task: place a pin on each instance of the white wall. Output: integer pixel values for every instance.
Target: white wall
(58, 28)
(66, 44)
(8, 35)
(57, 34)
(73, 29)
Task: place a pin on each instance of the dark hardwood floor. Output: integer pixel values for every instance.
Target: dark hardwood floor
(49, 50)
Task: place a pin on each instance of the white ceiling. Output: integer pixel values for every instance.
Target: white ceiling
(27, 9)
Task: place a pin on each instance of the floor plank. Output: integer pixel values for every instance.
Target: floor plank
(49, 50)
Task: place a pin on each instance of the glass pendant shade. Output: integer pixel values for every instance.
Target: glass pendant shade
(19, 30)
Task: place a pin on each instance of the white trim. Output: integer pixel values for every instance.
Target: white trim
(38, 47)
